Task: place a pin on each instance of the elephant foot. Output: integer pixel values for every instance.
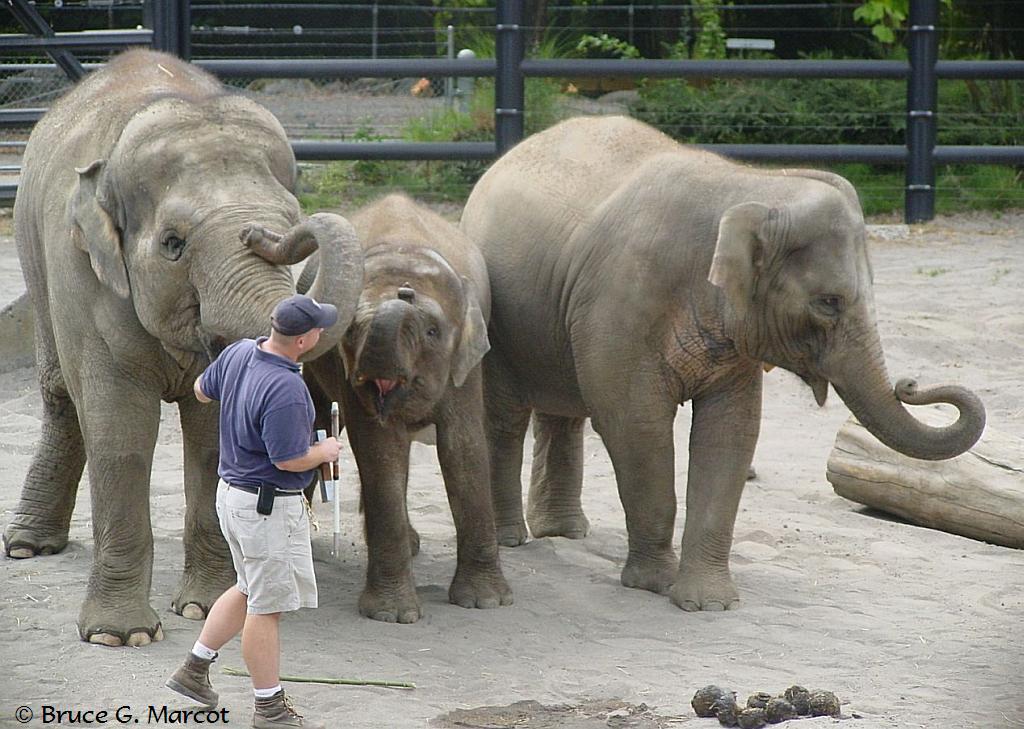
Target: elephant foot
(656, 574)
(481, 588)
(391, 605)
(118, 625)
(512, 535)
(197, 593)
(712, 592)
(23, 542)
(571, 526)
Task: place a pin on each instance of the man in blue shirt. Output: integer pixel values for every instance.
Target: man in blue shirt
(266, 460)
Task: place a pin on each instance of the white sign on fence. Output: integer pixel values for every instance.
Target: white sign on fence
(757, 44)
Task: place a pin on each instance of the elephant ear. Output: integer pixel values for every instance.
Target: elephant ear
(739, 252)
(474, 343)
(94, 228)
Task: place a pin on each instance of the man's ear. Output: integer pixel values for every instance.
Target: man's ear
(739, 252)
(473, 344)
(94, 230)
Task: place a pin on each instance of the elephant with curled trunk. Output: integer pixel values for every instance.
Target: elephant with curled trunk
(629, 275)
(155, 224)
(411, 359)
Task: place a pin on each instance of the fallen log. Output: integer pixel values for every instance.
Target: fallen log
(979, 494)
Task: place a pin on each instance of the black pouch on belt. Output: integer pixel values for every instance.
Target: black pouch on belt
(265, 500)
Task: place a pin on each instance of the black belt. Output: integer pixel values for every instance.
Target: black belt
(278, 491)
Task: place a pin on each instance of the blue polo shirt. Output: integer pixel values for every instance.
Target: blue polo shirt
(266, 415)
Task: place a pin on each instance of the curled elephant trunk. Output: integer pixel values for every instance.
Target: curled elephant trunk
(886, 418)
(339, 277)
(863, 384)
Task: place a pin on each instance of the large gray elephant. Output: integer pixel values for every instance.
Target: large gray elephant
(145, 224)
(411, 359)
(629, 275)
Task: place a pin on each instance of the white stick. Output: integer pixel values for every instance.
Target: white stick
(336, 472)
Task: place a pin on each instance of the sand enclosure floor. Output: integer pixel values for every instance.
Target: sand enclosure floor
(911, 627)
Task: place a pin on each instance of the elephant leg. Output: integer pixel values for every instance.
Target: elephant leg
(478, 580)
(324, 377)
(641, 449)
(42, 518)
(506, 421)
(120, 420)
(208, 567)
(553, 507)
(722, 440)
(414, 536)
(382, 457)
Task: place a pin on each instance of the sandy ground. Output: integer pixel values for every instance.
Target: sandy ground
(910, 627)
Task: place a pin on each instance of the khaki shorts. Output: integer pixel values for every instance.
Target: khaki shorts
(272, 554)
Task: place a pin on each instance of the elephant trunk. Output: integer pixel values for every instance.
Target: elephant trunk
(384, 353)
(339, 277)
(863, 384)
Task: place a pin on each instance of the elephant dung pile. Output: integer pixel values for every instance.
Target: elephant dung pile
(977, 494)
(761, 707)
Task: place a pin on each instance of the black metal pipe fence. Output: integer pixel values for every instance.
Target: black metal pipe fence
(170, 21)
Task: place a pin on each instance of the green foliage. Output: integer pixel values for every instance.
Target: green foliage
(957, 187)
(352, 183)
(850, 111)
(776, 111)
(710, 43)
(605, 46)
(884, 17)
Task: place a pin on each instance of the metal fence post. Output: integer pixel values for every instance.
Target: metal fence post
(509, 85)
(34, 23)
(171, 21)
(922, 94)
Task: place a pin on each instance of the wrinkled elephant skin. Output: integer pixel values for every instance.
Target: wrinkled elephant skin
(139, 193)
(411, 359)
(630, 274)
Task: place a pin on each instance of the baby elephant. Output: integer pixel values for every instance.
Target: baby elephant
(411, 358)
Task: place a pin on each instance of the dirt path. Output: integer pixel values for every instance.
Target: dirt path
(909, 626)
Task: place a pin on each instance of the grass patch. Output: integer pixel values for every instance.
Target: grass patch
(958, 188)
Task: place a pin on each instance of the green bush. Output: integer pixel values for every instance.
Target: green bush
(352, 183)
(848, 111)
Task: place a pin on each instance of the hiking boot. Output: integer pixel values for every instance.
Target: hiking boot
(193, 680)
(277, 712)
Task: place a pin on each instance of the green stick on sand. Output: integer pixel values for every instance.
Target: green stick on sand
(341, 681)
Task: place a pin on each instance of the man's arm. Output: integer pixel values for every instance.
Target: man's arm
(326, 451)
(197, 388)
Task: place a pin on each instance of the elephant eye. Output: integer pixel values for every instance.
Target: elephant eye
(829, 304)
(172, 247)
(432, 332)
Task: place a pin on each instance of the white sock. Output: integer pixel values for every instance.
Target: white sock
(201, 651)
(266, 693)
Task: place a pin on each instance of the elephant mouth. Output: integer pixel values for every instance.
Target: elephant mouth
(382, 394)
(819, 386)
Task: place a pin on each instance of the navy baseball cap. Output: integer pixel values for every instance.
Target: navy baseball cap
(299, 314)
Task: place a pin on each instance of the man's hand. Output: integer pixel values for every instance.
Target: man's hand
(329, 449)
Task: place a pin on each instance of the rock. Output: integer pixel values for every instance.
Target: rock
(703, 702)
(726, 710)
(758, 700)
(823, 703)
(751, 718)
(799, 697)
(778, 709)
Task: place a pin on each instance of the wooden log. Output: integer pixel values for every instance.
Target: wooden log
(979, 494)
